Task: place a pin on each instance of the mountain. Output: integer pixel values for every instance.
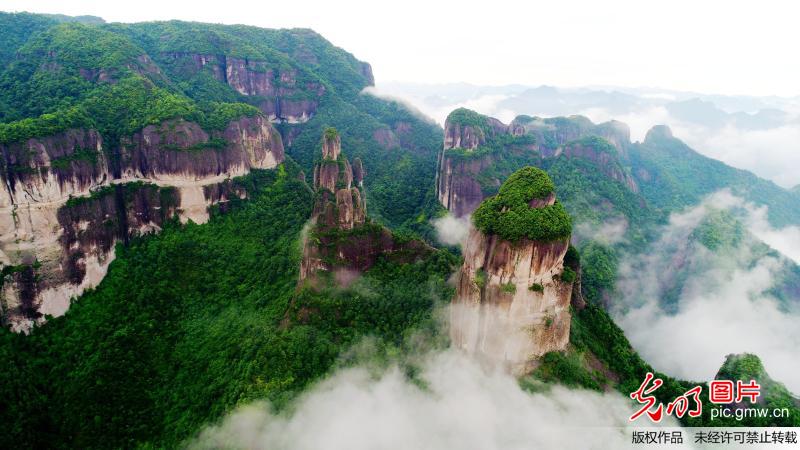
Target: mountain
(522, 301)
(672, 176)
(108, 129)
(257, 218)
(746, 367)
(480, 151)
(168, 154)
(728, 128)
(661, 173)
(513, 292)
(620, 196)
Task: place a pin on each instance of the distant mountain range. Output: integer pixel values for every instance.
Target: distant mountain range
(730, 128)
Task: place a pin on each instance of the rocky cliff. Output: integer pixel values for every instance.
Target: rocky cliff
(65, 201)
(282, 97)
(513, 295)
(342, 241)
(478, 150)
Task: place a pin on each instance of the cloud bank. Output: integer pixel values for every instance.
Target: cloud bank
(457, 404)
(726, 304)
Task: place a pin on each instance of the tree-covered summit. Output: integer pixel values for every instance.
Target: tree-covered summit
(467, 117)
(509, 214)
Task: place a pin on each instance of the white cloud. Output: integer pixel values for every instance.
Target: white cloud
(785, 240)
(451, 230)
(639, 120)
(772, 153)
(461, 406)
(609, 232)
(725, 306)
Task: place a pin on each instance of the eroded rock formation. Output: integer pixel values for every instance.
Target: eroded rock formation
(341, 240)
(513, 298)
(65, 202)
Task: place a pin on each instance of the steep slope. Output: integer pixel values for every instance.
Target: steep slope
(522, 299)
(673, 176)
(512, 302)
(600, 173)
(305, 85)
(600, 357)
(65, 207)
(105, 122)
(125, 118)
(773, 395)
(15, 29)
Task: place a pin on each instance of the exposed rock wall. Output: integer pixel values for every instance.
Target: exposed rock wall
(284, 98)
(74, 253)
(457, 185)
(340, 204)
(511, 306)
(178, 151)
(50, 169)
(512, 298)
(62, 209)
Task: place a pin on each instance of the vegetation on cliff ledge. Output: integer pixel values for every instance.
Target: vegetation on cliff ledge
(509, 215)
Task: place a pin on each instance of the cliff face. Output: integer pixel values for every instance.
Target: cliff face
(48, 169)
(341, 203)
(284, 98)
(71, 252)
(63, 207)
(512, 298)
(498, 314)
(178, 151)
(457, 185)
(475, 143)
(339, 206)
(456, 182)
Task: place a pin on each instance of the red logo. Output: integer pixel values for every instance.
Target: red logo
(751, 390)
(642, 396)
(719, 392)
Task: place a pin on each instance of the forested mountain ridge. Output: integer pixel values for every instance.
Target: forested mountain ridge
(86, 107)
(480, 151)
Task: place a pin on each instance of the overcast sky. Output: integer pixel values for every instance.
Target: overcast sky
(726, 47)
